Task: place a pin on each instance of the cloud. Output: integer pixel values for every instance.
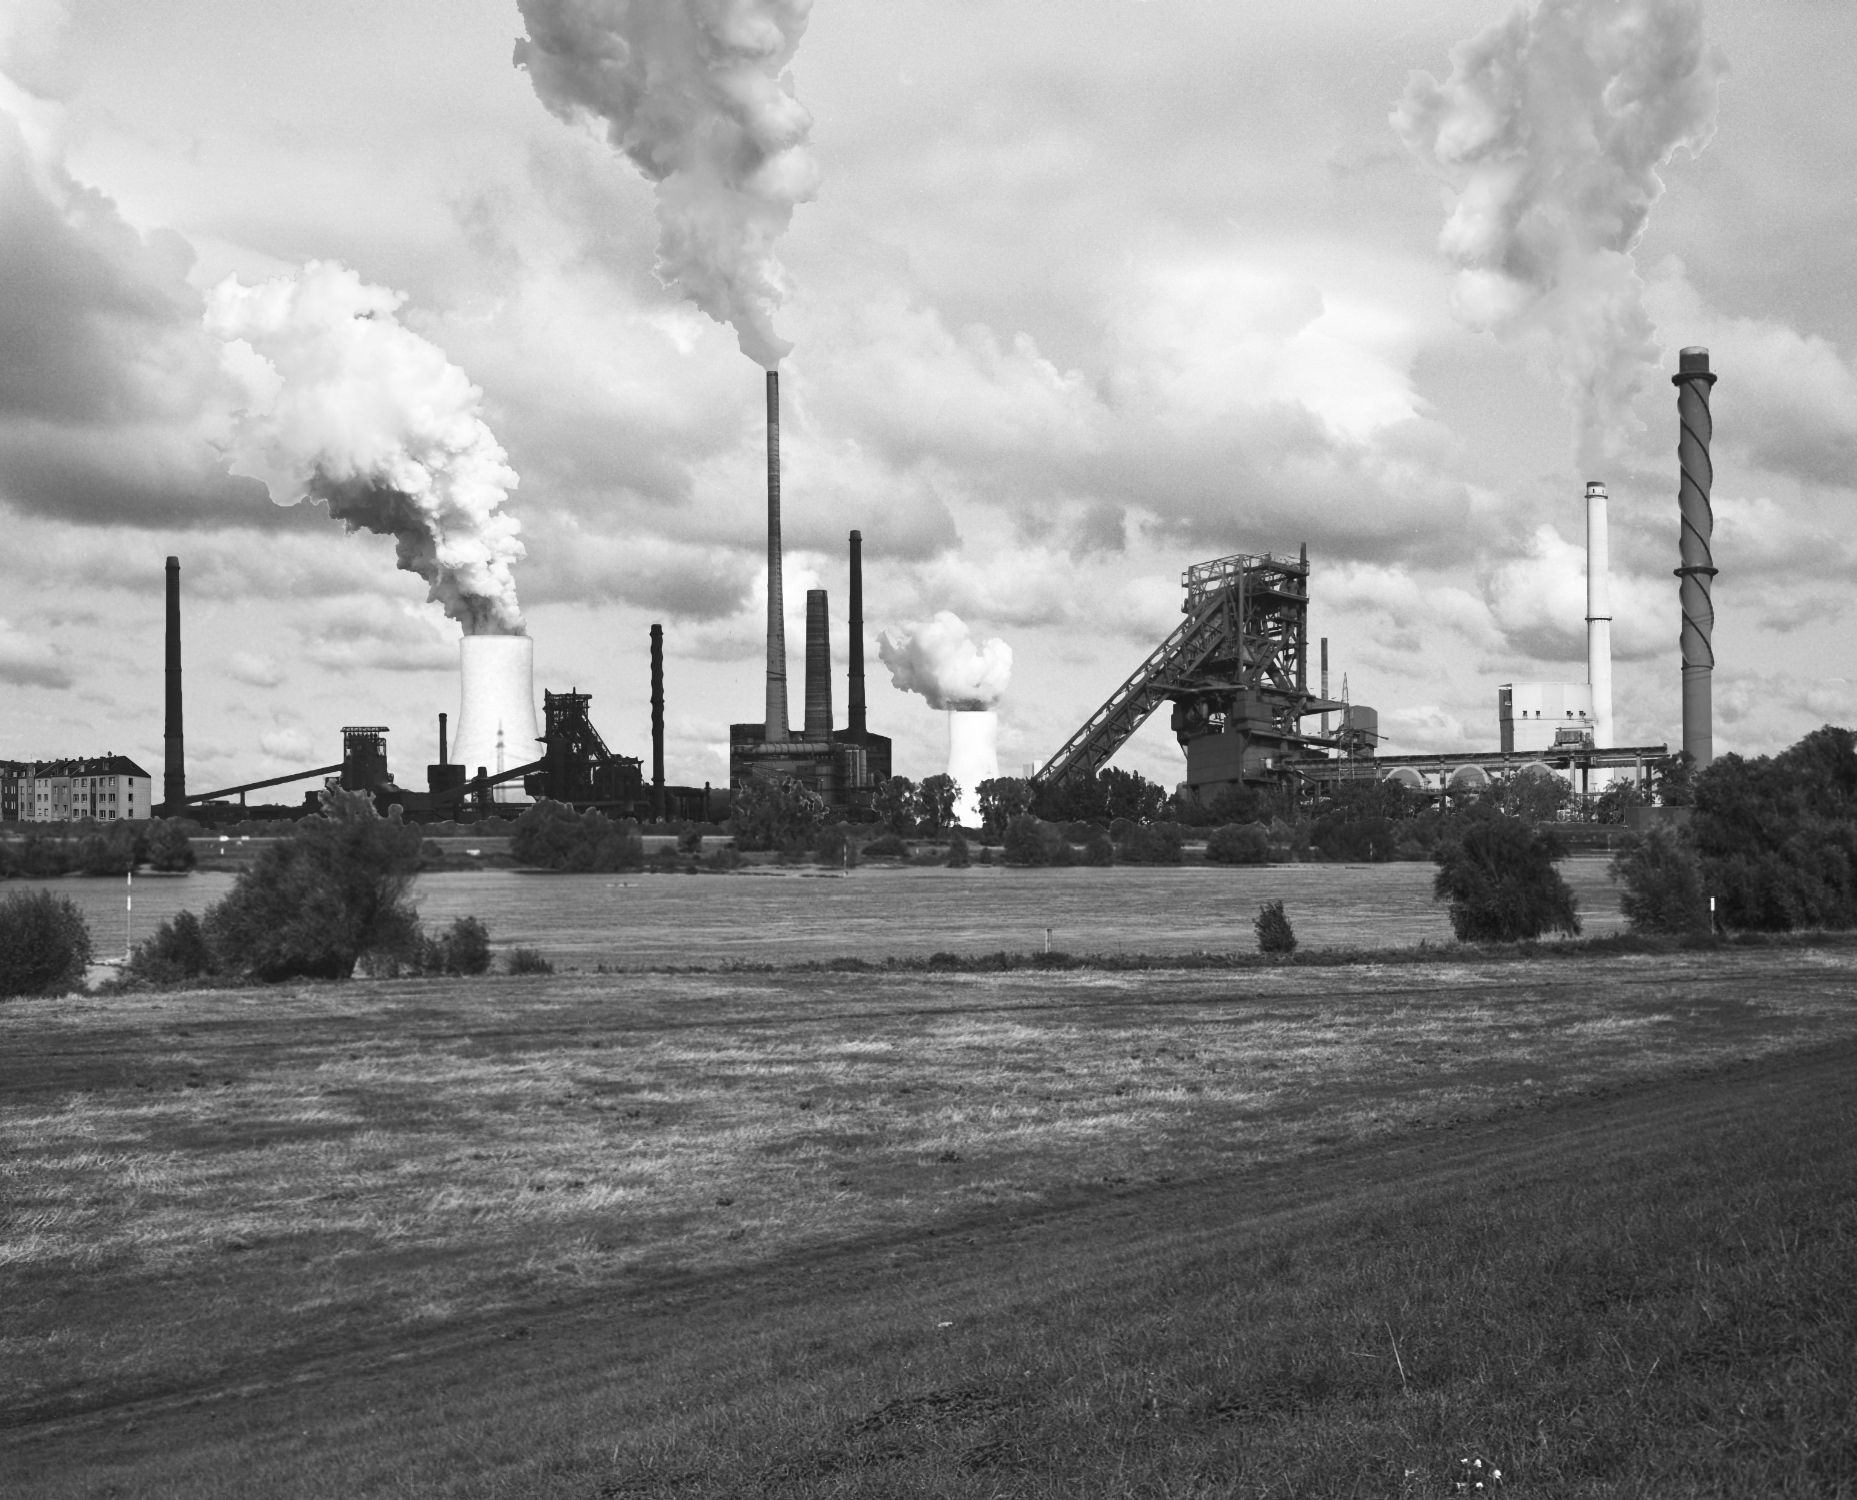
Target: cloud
(27, 662)
(254, 669)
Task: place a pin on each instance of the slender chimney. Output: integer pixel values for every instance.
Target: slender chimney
(854, 707)
(1695, 430)
(1599, 614)
(818, 667)
(174, 769)
(1325, 686)
(776, 602)
(657, 722)
(442, 718)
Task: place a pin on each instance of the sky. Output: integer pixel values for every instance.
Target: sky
(1080, 293)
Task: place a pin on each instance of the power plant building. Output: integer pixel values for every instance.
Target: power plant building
(1540, 716)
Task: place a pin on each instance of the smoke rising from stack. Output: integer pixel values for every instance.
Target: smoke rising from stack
(940, 660)
(342, 403)
(1550, 130)
(694, 93)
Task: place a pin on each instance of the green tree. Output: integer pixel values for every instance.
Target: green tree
(1498, 874)
(775, 812)
(1662, 878)
(313, 904)
(1274, 933)
(168, 846)
(935, 800)
(1778, 834)
(552, 836)
(1239, 844)
(44, 944)
(178, 950)
(1002, 799)
(1031, 841)
(1531, 793)
(897, 805)
(959, 857)
(1129, 794)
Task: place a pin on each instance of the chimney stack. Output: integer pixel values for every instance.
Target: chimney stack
(657, 723)
(1696, 428)
(1599, 614)
(854, 707)
(776, 602)
(442, 723)
(818, 667)
(174, 769)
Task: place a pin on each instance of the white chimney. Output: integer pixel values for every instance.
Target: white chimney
(973, 757)
(496, 715)
(1598, 614)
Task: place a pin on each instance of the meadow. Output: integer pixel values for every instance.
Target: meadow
(1290, 1231)
(801, 913)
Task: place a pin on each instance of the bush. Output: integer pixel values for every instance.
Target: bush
(690, 841)
(463, 949)
(1029, 841)
(1153, 844)
(1274, 933)
(528, 961)
(552, 836)
(115, 852)
(1662, 878)
(177, 952)
(958, 856)
(1099, 848)
(1498, 874)
(1239, 844)
(313, 904)
(168, 846)
(44, 944)
(886, 846)
(722, 858)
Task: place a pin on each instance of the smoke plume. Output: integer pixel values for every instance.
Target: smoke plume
(1550, 130)
(693, 92)
(940, 661)
(341, 402)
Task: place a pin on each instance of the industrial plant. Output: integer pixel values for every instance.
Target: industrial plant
(1235, 674)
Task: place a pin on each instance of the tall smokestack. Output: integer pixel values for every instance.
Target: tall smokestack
(1599, 613)
(818, 667)
(174, 768)
(657, 722)
(776, 601)
(1697, 573)
(854, 707)
(1324, 685)
(442, 718)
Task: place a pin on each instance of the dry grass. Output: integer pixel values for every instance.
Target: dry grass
(206, 1183)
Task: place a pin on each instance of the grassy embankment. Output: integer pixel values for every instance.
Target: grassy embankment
(1079, 1233)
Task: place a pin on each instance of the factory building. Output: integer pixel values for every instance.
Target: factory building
(1540, 716)
(102, 787)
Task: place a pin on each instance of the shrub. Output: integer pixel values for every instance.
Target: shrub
(463, 949)
(552, 836)
(177, 951)
(168, 846)
(1274, 933)
(114, 852)
(886, 846)
(958, 856)
(1099, 848)
(723, 857)
(1153, 844)
(1498, 874)
(833, 846)
(44, 944)
(690, 841)
(1239, 844)
(528, 961)
(312, 904)
(1662, 878)
(1030, 841)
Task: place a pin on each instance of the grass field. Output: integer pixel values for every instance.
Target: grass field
(1290, 1231)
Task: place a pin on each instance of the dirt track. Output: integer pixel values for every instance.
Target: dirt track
(618, 1341)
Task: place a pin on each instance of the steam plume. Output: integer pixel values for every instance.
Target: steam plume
(940, 661)
(692, 91)
(343, 403)
(1550, 130)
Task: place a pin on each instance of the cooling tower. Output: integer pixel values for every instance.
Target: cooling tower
(973, 757)
(1598, 614)
(497, 729)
